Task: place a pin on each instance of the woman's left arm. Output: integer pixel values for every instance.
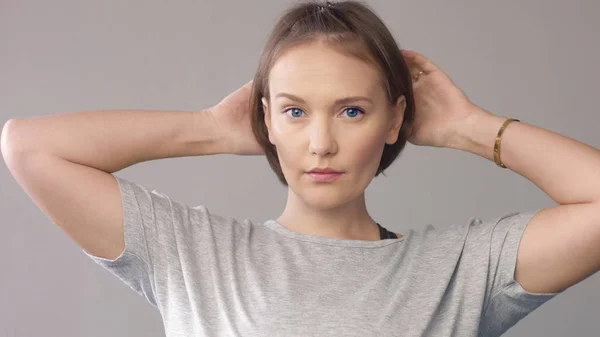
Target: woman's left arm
(561, 245)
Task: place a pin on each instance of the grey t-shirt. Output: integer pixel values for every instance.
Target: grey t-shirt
(210, 275)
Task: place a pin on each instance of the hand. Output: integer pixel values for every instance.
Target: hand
(232, 116)
(441, 108)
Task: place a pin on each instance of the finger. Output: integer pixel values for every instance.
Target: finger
(415, 73)
(416, 60)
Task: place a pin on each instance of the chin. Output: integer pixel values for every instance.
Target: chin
(325, 196)
(322, 204)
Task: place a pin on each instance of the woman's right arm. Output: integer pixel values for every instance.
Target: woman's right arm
(64, 163)
(115, 139)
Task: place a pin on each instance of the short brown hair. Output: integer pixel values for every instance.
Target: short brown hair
(352, 26)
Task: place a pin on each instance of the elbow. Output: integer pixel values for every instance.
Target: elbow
(8, 139)
(7, 130)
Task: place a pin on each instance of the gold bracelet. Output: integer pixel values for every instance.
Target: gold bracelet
(498, 138)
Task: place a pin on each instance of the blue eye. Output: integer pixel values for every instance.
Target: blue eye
(354, 111)
(296, 112)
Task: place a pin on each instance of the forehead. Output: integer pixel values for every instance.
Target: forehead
(321, 68)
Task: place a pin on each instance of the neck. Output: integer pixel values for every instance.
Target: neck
(349, 221)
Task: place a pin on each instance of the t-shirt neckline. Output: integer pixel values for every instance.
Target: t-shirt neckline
(277, 227)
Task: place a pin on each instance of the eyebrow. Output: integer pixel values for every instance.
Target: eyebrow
(344, 100)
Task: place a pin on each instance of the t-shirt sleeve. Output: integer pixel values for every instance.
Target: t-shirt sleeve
(506, 302)
(146, 216)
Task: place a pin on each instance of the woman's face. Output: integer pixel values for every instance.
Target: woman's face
(328, 110)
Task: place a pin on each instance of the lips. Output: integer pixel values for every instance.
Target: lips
(324, 175)
(324, 171)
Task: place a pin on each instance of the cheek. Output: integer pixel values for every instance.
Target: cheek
(289, 147)
(365, 147)
(367, 154)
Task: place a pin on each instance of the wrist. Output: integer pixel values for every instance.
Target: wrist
(477, 134)
(204, 135)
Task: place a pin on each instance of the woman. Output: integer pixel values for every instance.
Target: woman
(333, 103)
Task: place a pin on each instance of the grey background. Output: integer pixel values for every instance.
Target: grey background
(534, 60)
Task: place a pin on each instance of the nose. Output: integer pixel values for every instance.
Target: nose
(322, 140)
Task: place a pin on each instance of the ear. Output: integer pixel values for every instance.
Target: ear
(267, 111)
(397, 119)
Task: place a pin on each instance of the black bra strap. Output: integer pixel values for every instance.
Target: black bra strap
(385, 234)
